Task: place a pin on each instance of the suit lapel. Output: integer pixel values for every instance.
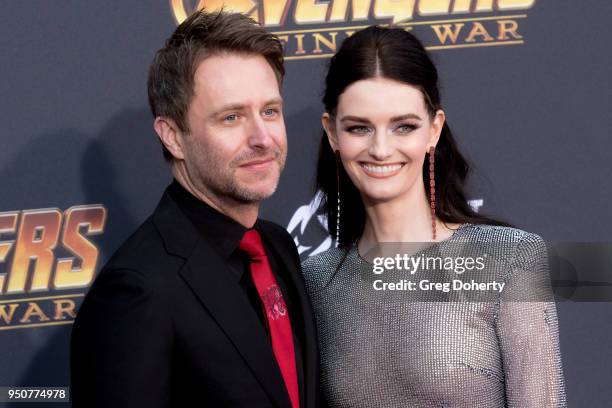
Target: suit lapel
(208, 275)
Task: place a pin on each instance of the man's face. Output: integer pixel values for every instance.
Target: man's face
(236, 145)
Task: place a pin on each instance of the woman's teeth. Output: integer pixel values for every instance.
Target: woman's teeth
(381, 169)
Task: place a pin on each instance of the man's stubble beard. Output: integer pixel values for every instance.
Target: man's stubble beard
(221, 180)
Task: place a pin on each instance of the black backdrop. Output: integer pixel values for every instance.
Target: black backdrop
(532, 112)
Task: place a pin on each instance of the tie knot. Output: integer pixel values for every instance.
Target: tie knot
(251, 244)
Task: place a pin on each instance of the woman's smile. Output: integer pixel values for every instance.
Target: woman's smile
(377, 170)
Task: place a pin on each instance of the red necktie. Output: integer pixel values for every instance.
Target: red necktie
(277, 314)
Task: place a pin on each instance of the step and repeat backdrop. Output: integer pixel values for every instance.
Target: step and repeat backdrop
(526, 87)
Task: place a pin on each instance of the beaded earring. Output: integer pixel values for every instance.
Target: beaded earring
(338, 164)
(432, 191)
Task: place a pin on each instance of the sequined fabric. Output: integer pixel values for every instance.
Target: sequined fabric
(377, 351)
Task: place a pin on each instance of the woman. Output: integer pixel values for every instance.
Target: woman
(390, 171)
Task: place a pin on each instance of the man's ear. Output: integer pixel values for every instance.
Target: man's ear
(435, 130)
(330, 130)
(170, 136)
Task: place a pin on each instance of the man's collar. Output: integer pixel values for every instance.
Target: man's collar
(223, 232)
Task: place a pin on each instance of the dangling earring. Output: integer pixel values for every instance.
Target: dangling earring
(432, 191)
(338, 164)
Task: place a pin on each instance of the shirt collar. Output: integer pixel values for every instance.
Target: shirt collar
(223, 232)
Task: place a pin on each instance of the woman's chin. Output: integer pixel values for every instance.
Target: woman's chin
(380, 196)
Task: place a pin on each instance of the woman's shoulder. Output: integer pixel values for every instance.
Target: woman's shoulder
(500, 233)
(317, 269)
(324, 260)
(514, 244)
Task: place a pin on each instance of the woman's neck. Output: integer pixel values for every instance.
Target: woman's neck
(403, 219)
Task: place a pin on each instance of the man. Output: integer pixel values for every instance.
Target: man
(205, 305)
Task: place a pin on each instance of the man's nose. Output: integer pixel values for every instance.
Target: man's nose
(259, 135)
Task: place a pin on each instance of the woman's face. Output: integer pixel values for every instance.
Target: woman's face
(383, 130)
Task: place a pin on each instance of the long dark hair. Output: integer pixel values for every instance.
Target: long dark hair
(392, 53)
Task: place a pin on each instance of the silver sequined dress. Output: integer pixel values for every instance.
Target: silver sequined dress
(382, 350)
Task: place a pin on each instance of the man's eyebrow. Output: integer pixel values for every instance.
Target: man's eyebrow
(229, 107)
(241, 106)
(273, 101)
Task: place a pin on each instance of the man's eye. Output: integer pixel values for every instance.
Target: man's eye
(358, 130)
(270, 112)
(231, 118)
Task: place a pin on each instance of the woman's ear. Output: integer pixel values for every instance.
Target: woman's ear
(170, 136)
(435, 129)
(330, 129)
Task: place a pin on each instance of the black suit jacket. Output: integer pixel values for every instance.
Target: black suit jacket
(164, 325)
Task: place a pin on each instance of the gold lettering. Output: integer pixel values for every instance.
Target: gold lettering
(8, 317)
(484, 5)
(320, 39)
(275, 12)
(8, 223)
(478, 30)
(508, 26)
(309, 11)
(462, 6)
(178, 9)
(284, 39)
(339, 10)
(64, 307)
(444, 31)
(34, 310)
(37, 237)
(300, 44)
(93, 218)
(397, 10)
(433, 7)
(238, 6)
(514, 4)
(465, 6)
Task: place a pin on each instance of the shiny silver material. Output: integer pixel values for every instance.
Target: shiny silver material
(378, 352)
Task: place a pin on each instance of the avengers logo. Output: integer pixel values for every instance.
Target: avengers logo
(46, 250)
(314, 28)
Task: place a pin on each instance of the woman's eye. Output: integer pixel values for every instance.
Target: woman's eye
(405, 128)
(358, 130)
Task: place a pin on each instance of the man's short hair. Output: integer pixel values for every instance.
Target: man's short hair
(171, 75)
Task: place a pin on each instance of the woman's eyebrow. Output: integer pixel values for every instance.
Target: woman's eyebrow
(393, 119)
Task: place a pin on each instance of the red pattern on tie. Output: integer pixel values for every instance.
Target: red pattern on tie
(277, 314)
